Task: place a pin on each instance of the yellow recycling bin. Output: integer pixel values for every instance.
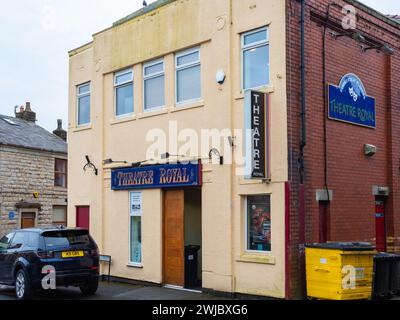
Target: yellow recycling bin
(340, 271)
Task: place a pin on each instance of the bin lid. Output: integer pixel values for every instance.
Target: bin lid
(343, 246)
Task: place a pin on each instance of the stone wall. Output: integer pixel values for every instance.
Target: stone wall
(22, 173)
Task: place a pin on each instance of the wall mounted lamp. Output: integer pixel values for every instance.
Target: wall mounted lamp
(215, 152)
(385, 48)
(111, 161)
(353, 35)
(90, 165)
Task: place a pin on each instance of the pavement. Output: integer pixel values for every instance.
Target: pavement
(113, 291)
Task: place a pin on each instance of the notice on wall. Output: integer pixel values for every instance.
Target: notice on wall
(257, 145)
(136, 203)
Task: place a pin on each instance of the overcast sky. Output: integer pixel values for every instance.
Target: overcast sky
(36, 36)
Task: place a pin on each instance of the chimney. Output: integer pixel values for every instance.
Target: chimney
(26, 113)
(60, 132)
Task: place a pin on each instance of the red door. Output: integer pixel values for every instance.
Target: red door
(83, 217)
(380, 225)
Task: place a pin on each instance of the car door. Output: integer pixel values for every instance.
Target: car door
(5, 242)
(12, 255)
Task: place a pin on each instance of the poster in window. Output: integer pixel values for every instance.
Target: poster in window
(259, 223)
(136, 204)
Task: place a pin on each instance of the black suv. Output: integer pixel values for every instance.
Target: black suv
(28, 256)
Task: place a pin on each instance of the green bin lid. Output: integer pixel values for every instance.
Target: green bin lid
(343, 246)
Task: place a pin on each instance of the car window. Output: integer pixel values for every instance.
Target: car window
(18, 240)
(32, 240)
(66, 238)
(5, 241)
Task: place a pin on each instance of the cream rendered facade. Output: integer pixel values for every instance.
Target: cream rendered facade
(215, 27)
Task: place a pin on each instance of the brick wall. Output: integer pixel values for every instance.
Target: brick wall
(350, 174)
(23, 172)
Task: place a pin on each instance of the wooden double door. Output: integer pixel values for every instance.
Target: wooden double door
(174, 238)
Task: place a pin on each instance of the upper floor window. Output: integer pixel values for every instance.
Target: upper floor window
(255, 55)
(154, 85)
(188, 76)
(60, 173)
(123, 83)
(83, 104)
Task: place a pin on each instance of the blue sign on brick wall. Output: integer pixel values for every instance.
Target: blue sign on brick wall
(161, 176)
(350, 103)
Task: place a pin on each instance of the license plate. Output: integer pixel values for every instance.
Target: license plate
(72, 254)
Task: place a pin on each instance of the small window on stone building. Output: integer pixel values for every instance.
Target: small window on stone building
(59, 216)
(60, 173)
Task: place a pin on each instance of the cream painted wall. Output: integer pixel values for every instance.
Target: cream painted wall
(215, 26)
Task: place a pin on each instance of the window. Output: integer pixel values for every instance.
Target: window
(255, 55)
(188, 76)
(59, 216)
(60, 173)
(5, 241)
(136, 228)
(154, 85)
(19, 240)
(123, 83)
(66, 238)
(84, 104)
(258, 223)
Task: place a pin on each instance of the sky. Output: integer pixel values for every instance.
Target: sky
(36, 36)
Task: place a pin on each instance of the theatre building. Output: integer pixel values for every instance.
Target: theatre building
(187, 128)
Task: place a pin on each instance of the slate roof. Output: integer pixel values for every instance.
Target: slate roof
(21, 133)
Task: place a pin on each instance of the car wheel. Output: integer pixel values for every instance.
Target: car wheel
(90, 287)
(22, 286)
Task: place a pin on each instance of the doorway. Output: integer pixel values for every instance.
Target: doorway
(28, 220)
(380, 224)
(182, 238)
(83, 217)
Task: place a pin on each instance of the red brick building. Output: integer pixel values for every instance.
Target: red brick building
(359, 166)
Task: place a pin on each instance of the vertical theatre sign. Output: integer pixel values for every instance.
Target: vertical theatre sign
(350, 103)
(257, 144)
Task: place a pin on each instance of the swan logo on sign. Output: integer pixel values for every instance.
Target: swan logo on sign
(350, 103)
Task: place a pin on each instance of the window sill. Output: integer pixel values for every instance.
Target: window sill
(135, 265)
(257, 258)
(123, 119)
(82, 128)
(150, 113)
(188, 105)
(60, 188)
(266, 89)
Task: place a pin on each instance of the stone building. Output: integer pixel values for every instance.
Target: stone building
(33, 173)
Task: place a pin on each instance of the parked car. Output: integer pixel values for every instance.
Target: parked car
(25, 255)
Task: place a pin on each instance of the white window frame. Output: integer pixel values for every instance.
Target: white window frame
(82, 95)
(183, 67)
(246, 225)
(131, 215)
(252, 46)
(120, 85)
(152, 76)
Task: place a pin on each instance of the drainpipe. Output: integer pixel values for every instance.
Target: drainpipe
(303, 143)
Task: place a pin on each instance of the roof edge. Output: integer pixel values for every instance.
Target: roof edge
(377, 14)
(80, 49)
(15, 146)
(143, 11)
